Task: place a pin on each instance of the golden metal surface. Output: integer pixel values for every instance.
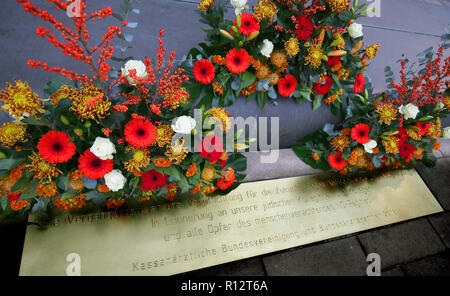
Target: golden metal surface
(257, 218)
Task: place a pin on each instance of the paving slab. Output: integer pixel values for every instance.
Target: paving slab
(445, 147)
(437, 265)
(335, 258)
(438, 179)
(402, 242)
(441, 223)
(251, 267)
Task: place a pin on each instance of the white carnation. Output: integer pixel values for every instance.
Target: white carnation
(409, 111)
(139, 66)
(355, 30)
(183, 124)
(115, 180)
(369, 146)
(239, 5)
(446, 132)
(103, 148)
(267, 48)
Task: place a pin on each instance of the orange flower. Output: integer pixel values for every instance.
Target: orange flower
(76, 175)
(113, 204)
(47, 190)
(436, 145)
(209, 190)
(197, 189)
(102, 188)
(315, 156)
(162, 162)
(191, 170)
(346, 132)
(217, 59)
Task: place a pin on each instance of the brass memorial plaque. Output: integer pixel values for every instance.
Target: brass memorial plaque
(257, 218)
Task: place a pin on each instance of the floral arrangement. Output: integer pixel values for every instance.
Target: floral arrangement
(389, 131)
(99, 141)
(306, 50)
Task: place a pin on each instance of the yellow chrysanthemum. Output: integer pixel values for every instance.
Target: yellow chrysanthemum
(262, 72)
(208, 173)
(164, 135)
(20, 99)
(62, 93)
(140, 159)
(413, 134)
(340, 142)
(447, 103)
(11, 133)
(177, 151)
(42, 168)
(278, 58)
(339, 5)
(391, 145)
(435, 129)
(76, 185)
(371, 51)
(273, 78)
(387, 113)
(314, 57)
(291, 46)
(90, 103)
(221, 115)
(205, 4)
(265, 9)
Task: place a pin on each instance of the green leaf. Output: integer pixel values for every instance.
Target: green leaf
(21, 183)
(172, 171)
(9, 163)
(29, 192)
(247, 79)
(317, 101)
(67, 195)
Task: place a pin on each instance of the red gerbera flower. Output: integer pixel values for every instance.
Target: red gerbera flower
(303, 28)
(360, 133)
(332, 61)
(248, 24)
(152, 180)
(140, 133)
(424, 127)
(211, 148)
(323, 87)
(56, 147)
(237, 61)
(337, 161)
(358, 86)
(287, 85)
(406, 151)
(204, 71)
(402, 136)
(93, 167)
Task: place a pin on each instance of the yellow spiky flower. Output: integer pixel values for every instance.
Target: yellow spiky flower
(339, 5)
(413, 134)
(278, 58)
(221, 115)
(263, 71)
(387, 113)
(292, 46)
(175, 96)
(42, 168)
(371, 51)
(340, 143)
(446, 103)
(140, 159)
(20, 99)
(90, 103)
(435, 129)
(177, 151)
(273, 78)
(11, 133)
(164, 135)
(340, 41)
(314, 57)
(63, 92)
(391, 145)
(265, 9)
(205, 4)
